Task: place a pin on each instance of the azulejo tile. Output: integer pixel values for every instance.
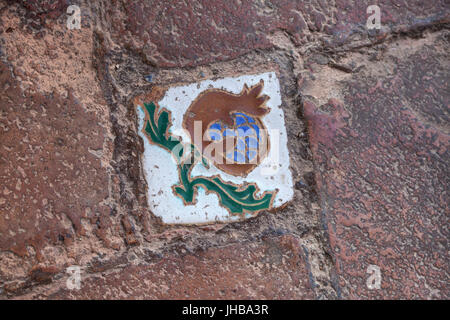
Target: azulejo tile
(216, 150)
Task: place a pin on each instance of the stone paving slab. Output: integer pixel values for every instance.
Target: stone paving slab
(275, 268)
(381, 156)
(197, 32)
(55, 207)
(49, 176)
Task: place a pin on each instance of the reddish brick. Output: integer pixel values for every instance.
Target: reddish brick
(49, 178)
(382, 172)
(179, 33)
(272, 269)
(37, 14)
(46, 8)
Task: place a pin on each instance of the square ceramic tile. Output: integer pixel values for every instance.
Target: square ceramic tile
(216, 150)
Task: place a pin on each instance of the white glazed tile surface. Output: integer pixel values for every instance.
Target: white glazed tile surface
(161, 171)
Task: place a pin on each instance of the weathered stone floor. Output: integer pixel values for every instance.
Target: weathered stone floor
(367, 117)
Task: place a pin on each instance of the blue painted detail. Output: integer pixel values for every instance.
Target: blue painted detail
(249, 119)
(239, 157)
(229, 133)
(256, 128)
(240, 145)
(243, 128)
(251, 142)
(251, 154)
(248, 134)
(240, 120)
(214, 135)
(216, 126)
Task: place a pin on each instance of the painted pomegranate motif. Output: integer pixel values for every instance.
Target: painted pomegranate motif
(234, 122)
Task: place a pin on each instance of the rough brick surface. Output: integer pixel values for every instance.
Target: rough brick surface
(272, 269)
(54, 174)
(197, 32)
(49, 176)
(381, 156)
